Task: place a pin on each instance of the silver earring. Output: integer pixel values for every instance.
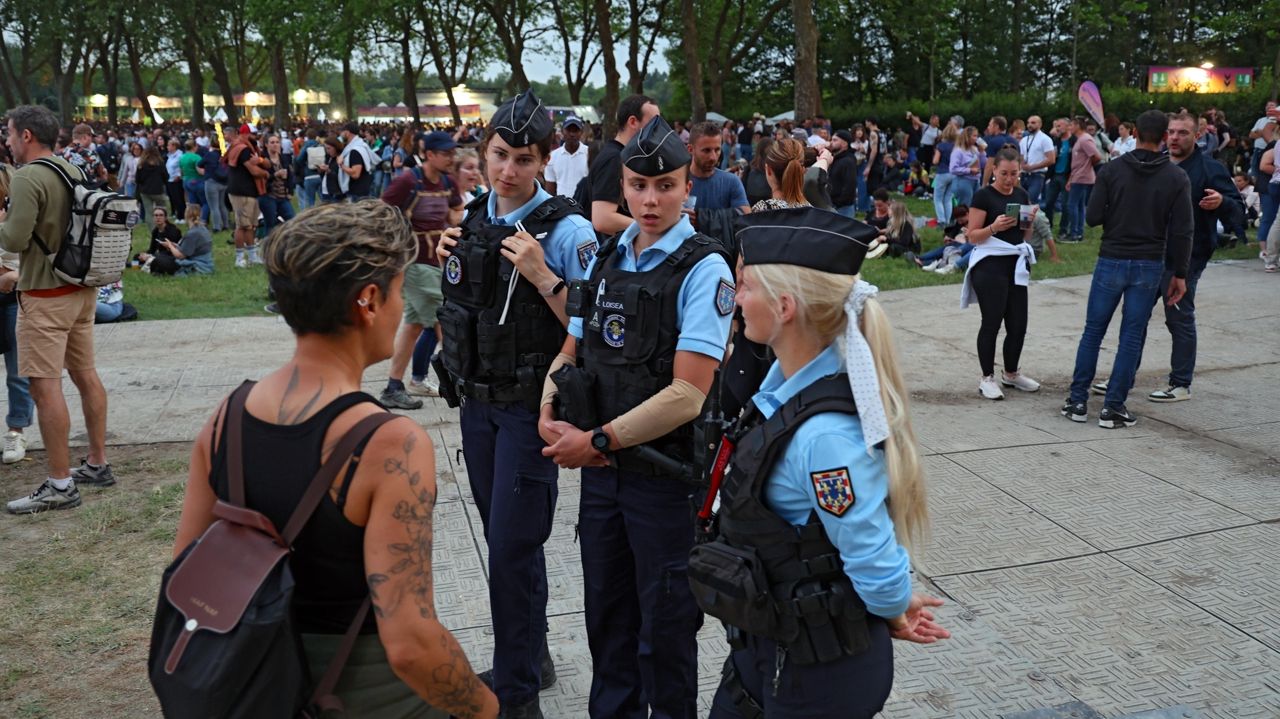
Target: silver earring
(363, 303)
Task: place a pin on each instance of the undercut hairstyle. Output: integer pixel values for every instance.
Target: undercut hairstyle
(38, 120)
(633, 106)
(319, 262)
(703, 129)
(1152, 125)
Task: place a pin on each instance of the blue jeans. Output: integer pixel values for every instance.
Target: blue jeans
(1181, 321)
(963, 188)
(215, 194)
(107, 311)
(1033, 183)
(864, 198)
(1269, 200)
(1077, 199)
(309, 193)
(1052, 200)
(936, 253)
(943, 194)
(131, 189)
(20, 404)
(1137, 282)
(274, 211)
(422, 351)
(745, 152)
(196, 196)
(849, 211)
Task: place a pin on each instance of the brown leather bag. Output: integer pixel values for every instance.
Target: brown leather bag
(226, 598)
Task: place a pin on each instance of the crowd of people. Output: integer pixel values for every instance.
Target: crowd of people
(577, 296)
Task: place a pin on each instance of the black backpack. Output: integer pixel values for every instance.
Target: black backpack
(224, 644)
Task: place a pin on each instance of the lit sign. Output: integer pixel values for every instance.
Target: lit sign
(1199, 79)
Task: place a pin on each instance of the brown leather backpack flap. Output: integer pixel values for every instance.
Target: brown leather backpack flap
(219, 577)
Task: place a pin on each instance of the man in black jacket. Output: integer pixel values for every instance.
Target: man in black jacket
(843, 174)
(1143, 203)
(1215, 199)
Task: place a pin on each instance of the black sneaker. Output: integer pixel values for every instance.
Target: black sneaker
(88, 475)
(1111, 418)
(548, 672)
(398, 399)
(529, 710)
(1075, 411)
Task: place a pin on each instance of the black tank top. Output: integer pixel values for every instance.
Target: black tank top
(328, 558)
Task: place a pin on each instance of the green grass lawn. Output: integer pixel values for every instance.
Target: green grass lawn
(230, 292)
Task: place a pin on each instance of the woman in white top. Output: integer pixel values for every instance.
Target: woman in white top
(1126, 142)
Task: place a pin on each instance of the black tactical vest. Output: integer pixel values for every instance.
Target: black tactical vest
(628, 348)
(488, 360)
(765, 576)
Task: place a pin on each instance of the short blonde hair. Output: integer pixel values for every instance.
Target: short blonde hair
(820, 298)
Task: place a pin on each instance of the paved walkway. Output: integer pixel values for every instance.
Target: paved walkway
(1103, 572)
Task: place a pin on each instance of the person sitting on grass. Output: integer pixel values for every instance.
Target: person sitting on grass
(955, 244)
(193, 255)
(900, 232)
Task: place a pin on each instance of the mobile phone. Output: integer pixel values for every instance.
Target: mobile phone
(1012, 210)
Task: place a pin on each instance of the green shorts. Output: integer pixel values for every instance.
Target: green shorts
(422, 297)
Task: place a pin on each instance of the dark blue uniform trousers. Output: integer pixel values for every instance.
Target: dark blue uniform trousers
(635, 532)
(854, 687)
(515, 491)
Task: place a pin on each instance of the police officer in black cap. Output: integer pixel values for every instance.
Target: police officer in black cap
(648, 332)
(503, 321)
(809, 571)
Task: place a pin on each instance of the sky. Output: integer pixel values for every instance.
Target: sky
(541, 66)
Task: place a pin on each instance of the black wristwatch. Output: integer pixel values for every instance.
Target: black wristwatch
(600, 440)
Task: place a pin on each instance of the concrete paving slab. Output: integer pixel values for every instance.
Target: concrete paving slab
(1105, 504)
(1142, 647)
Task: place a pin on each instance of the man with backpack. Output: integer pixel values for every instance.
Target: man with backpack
(55, 323)
(432, 202)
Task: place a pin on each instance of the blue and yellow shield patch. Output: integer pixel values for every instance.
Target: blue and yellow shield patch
(834, 490)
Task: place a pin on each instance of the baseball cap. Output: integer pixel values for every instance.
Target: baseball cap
(245, 129)
(844, 135)
(572, 120)
(438, 141)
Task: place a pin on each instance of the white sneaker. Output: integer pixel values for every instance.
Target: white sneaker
(1019, 381)
(945, 269)
(931, 266)
(989, 389)
(15, 447)
(425, 388)
(1173, 394)
(242, 262)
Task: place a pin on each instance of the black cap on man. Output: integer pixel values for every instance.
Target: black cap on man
(655, 150)
(523, 120)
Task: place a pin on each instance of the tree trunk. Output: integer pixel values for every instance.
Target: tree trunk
(280, 85)
(111, 72)
(1015, 64)
(410, 86)
(139, 86)
(348, 86)
(807, 102)
(1275, 77)
(611, 78)
(693, 68)
(223, 77)
(8, 78)
(196, 77)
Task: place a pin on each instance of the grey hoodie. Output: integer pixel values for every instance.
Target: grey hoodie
(1143, 202)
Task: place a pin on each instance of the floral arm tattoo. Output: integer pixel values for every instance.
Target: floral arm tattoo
(455, 686)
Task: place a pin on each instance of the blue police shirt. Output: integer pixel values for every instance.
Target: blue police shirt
(722, 191)
(702, 316)
(568, 247)
(829, 448)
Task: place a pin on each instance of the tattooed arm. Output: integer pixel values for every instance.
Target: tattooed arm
(400, 464)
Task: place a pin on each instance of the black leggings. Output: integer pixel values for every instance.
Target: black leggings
(1001, 301)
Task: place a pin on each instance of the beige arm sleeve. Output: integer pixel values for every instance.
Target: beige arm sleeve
(549, 388)
(677, 403)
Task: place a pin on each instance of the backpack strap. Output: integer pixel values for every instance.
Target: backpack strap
(233, 435)
(322, 697)
(71, 186)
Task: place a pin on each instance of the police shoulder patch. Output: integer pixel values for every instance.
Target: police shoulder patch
(834, 490)
(586, 251)
(724, 298)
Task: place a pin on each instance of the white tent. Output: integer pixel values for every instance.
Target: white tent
(137, 116)
(207, 116)
(716, 117)
(220, 115)
(788, 115)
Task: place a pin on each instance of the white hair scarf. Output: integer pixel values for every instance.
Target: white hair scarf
(861, 368)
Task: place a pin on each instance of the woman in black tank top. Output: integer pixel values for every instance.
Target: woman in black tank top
(337, 272)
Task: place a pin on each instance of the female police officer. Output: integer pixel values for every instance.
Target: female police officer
(648, 335)
(807, 570)
(503, 320)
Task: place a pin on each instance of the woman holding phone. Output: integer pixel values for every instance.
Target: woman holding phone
(999, 272)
